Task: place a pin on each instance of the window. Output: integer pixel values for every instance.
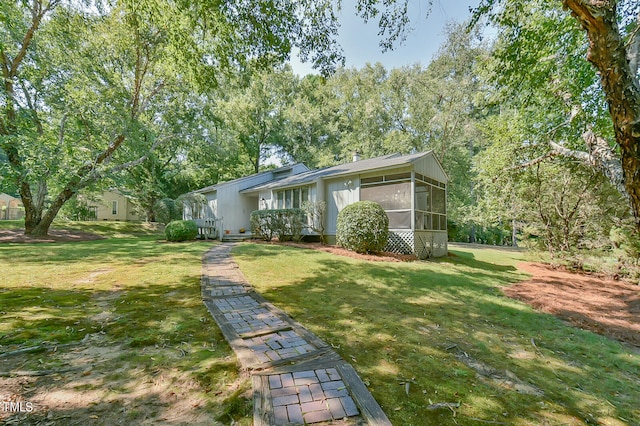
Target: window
(430, 204)
(287, 199)
(439, 203)
(114, 207)
(292, 198)
(280, 200)
(396, 196)
(393, 193)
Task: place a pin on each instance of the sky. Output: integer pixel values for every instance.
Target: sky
(360, 41)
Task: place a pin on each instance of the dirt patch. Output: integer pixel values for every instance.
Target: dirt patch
(376, 257)
(55, 236)
(95, 386)
(604, 306)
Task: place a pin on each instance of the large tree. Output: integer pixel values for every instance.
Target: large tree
(81, 80)
(612, 46)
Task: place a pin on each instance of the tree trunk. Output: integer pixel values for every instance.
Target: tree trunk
(622, 91)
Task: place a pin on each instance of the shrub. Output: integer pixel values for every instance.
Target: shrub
(181, 230)
(166, 210)
(285, 224)
(316, 211)
(363, 227)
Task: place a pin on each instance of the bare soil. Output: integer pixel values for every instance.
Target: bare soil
(590, 302)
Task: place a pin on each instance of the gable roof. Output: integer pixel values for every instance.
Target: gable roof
(371, 164)
(247, 179)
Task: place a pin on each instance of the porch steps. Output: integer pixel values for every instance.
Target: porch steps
(232, 238)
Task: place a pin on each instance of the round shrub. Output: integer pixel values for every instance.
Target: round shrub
(181, 230)
(363, 227)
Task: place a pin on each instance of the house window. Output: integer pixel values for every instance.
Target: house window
(430, 204)
(292, 198)
(114, 207)
(393, 193)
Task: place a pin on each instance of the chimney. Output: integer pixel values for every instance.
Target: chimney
(356, 156)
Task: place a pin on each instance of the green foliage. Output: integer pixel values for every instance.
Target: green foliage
(77, 209)
(181, 230)
(194, 203)
(316, 211)
(167, 210)
(363, 227)
(284, 224)
(626, 242)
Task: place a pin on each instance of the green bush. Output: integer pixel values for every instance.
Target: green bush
(181, 230)
(166, 210)
(285, 224)
(363, 227)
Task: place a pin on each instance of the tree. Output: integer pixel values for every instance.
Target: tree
(82, 84)
(254, 113)
(613, 49)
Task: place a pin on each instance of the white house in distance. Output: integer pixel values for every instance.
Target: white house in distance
(411, 189)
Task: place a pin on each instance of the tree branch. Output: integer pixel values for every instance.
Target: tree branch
(115, 169)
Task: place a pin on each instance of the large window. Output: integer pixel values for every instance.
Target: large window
(393, 193)
(292, 198)
(431, 204)
(114, 207)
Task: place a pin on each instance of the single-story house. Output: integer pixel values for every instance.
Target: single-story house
(11, 208)
(411, 188)
(112, 206)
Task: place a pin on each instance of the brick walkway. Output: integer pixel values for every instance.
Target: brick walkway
(297, 378)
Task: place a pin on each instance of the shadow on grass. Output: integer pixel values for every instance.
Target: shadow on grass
(107, 250)
(142, 338)
(406, 323)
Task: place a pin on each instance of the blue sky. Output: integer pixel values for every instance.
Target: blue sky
(360, 41)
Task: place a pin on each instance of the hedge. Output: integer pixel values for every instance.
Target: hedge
(181, 230)
(285, 224)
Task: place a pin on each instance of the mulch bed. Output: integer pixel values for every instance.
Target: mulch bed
(604, 306)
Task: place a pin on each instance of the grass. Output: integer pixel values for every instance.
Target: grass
(445, 329)
(138, 298)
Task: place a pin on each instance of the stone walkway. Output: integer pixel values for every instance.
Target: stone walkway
(297, 378)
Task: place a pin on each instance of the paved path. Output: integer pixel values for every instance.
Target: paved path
(297, 378)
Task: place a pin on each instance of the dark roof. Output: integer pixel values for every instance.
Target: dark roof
(219, 184)
(383, 162)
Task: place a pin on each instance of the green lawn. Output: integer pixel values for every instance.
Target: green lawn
(153, 349)
(424, 333)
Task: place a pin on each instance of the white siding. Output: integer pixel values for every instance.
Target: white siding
(429, 166)
(265, 200)
(212, 204)
(340, 193)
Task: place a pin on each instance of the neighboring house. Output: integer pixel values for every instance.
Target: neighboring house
(112, 205)
(11, 208)
(411, 188)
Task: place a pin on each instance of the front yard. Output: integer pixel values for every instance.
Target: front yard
(113, 331)
(425, 335)
(118, 335)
